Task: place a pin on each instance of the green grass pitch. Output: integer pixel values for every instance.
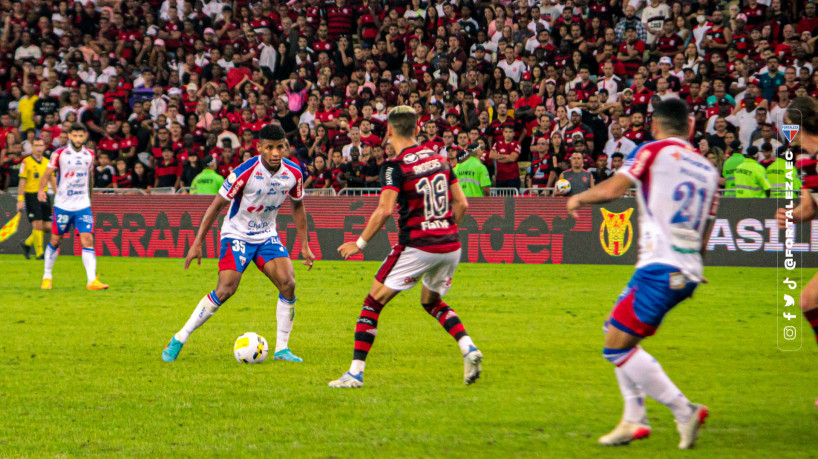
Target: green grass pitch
(81, 373)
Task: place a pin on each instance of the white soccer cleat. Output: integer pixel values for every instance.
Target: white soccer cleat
(689, 430)
(348, 381)
(472, 365)
(624, 433)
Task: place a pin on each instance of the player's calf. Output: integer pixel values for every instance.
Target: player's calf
(450, 322)
(204, 310)
(809, 304)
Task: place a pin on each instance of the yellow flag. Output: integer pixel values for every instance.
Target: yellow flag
(10, 228)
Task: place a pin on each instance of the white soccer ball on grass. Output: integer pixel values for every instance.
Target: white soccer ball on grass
(250, 348)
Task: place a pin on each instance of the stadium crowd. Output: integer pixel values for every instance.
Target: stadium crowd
(170, 88)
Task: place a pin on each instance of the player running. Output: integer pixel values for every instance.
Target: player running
(255, 191)
(805, 110)
(74, 165)
(676, 192)
(39, 213)
(431, 207)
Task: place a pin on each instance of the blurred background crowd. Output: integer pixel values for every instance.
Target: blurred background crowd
(174, 89)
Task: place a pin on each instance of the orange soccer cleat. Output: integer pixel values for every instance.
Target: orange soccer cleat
(96, 285)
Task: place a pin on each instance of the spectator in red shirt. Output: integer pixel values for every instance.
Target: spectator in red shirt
(110, 143)
(168, 171)
(631, 51)
(529, 99)
(506, 152)
(637, 132)
(336, 169)
(228, 161)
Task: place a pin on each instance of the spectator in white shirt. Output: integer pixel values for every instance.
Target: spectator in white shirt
(27, 51)
(513, 68)
(354, 141)
(610, 83)
(617, 144)
(159, 103)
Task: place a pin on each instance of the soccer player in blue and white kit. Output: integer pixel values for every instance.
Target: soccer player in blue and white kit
(74, 165)
(676, 193)
(255, 191)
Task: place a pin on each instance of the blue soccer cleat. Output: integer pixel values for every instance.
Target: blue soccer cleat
(172, 350)
(287, 355)
(348, 381)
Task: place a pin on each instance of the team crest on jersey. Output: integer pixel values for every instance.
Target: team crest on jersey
(790, 131)
(616, 232)
(258, 175)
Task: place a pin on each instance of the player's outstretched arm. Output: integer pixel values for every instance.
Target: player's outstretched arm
(804, 212)
(376, 221)
(207, 222)
(49, 172)
(606, 191)
(300, 217)
(459, 202)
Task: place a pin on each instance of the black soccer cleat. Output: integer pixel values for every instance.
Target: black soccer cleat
(26, 250)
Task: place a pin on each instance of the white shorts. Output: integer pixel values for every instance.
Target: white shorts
(404, 267)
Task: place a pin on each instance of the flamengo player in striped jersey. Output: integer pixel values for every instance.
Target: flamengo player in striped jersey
(74, 165)
(676, 192)
(804, 111)
(255, 190)
(432, 205)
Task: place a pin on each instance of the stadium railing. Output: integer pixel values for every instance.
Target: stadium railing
(503, 192)
(163, 190)
(119, 191)
(360, 192)
(536, 191)
(320, 192)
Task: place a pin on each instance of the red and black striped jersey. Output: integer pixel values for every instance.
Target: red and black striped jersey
(422, 179)
(808, 168)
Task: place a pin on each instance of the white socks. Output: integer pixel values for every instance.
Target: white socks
(646, 373)
(634, 399)
(285, 313)
(357, 367)
(465, 343)
(51, 253)
(89, 260)
(205, 310)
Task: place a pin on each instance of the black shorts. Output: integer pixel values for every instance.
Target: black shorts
(37, 210)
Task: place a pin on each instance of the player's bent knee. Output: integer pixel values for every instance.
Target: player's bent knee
(618, 356)
(224, 292)
(287, 286)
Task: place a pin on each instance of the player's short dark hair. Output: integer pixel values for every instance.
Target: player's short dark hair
(804, 111)
(617, 155)
(77, 127)
(272, 132)
(403, 120)
(672, 116)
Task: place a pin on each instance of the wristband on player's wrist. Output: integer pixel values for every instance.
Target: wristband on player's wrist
(361, 243)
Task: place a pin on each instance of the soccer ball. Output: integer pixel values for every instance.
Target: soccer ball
(563, 186)
(250, 348)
